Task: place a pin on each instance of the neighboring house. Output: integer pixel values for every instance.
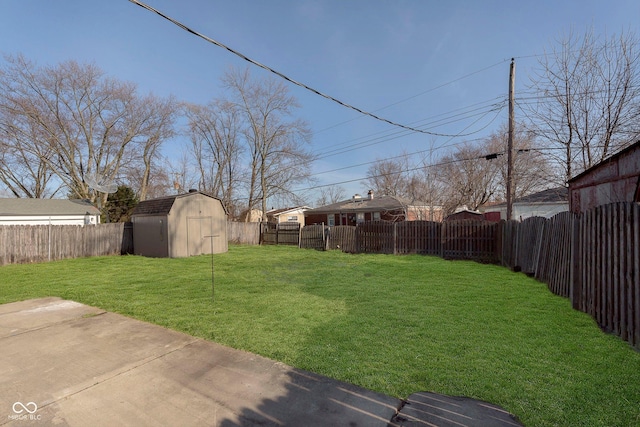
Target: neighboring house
(545, 203)
(295, 214)
(188, 224)
(370, 208)
(48, 211)
(616, 179)
(255, 215)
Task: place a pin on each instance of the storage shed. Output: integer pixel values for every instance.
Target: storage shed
(179, 226)
(616, 179)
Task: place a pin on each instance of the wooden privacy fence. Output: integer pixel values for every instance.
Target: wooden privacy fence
(286, 233)
(244, 233)
(342, 237)
(377, 237)
(468, 239)
(476, 240)
(36, 243)
(314, 237)
(606, 268)
(419, 237)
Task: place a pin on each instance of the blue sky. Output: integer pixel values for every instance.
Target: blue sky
(412, 62)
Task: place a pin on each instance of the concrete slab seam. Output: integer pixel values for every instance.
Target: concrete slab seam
(110, 376)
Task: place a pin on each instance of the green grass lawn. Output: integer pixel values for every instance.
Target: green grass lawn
(393, 324)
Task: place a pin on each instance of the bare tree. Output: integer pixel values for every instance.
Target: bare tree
(158, 127)
(389, 177)
(181, 173)
(331, 194)
(588, 97)
(216, 147)
(468, 178)
(23, 169)
(414, 183)
(532, 171)
(277, 157)
(80, 123)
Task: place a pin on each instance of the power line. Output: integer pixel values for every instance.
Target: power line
(388, 135)
(419, 94)
(432, 165)
(409, 154)
(289, 79)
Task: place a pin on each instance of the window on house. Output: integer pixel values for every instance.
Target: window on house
(331, 220)
(376, 216)
(292, 218)
(360, 217)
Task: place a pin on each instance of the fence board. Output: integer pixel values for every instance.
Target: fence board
(342, 237)
(313, 237)
(375, 237)
(288, 233)
(468, 239)
(418, 237)
(608, 277)
(247, 233)
(529, 240)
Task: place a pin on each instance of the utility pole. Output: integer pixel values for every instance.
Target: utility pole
(512, 78)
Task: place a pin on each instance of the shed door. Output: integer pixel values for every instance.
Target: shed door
(198, 231)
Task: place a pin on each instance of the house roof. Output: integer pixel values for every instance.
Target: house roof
(620, 153)
(365, 205)
(46, 207)
(162, 205)
(276, 212)
(558, 194)
(551, 195)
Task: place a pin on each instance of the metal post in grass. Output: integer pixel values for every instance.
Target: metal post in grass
(212, 281)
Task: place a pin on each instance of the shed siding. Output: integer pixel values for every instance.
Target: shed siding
(614, 180)
(192, 220)
(150, 236)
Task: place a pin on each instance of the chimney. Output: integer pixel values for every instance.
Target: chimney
(370, 193)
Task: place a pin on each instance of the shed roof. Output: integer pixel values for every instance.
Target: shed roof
(157, 206)
(46, 207)
(162, 205)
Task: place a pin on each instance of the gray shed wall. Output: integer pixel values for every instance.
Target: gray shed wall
(150, 236)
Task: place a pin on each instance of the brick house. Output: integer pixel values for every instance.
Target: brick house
(360, 209)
